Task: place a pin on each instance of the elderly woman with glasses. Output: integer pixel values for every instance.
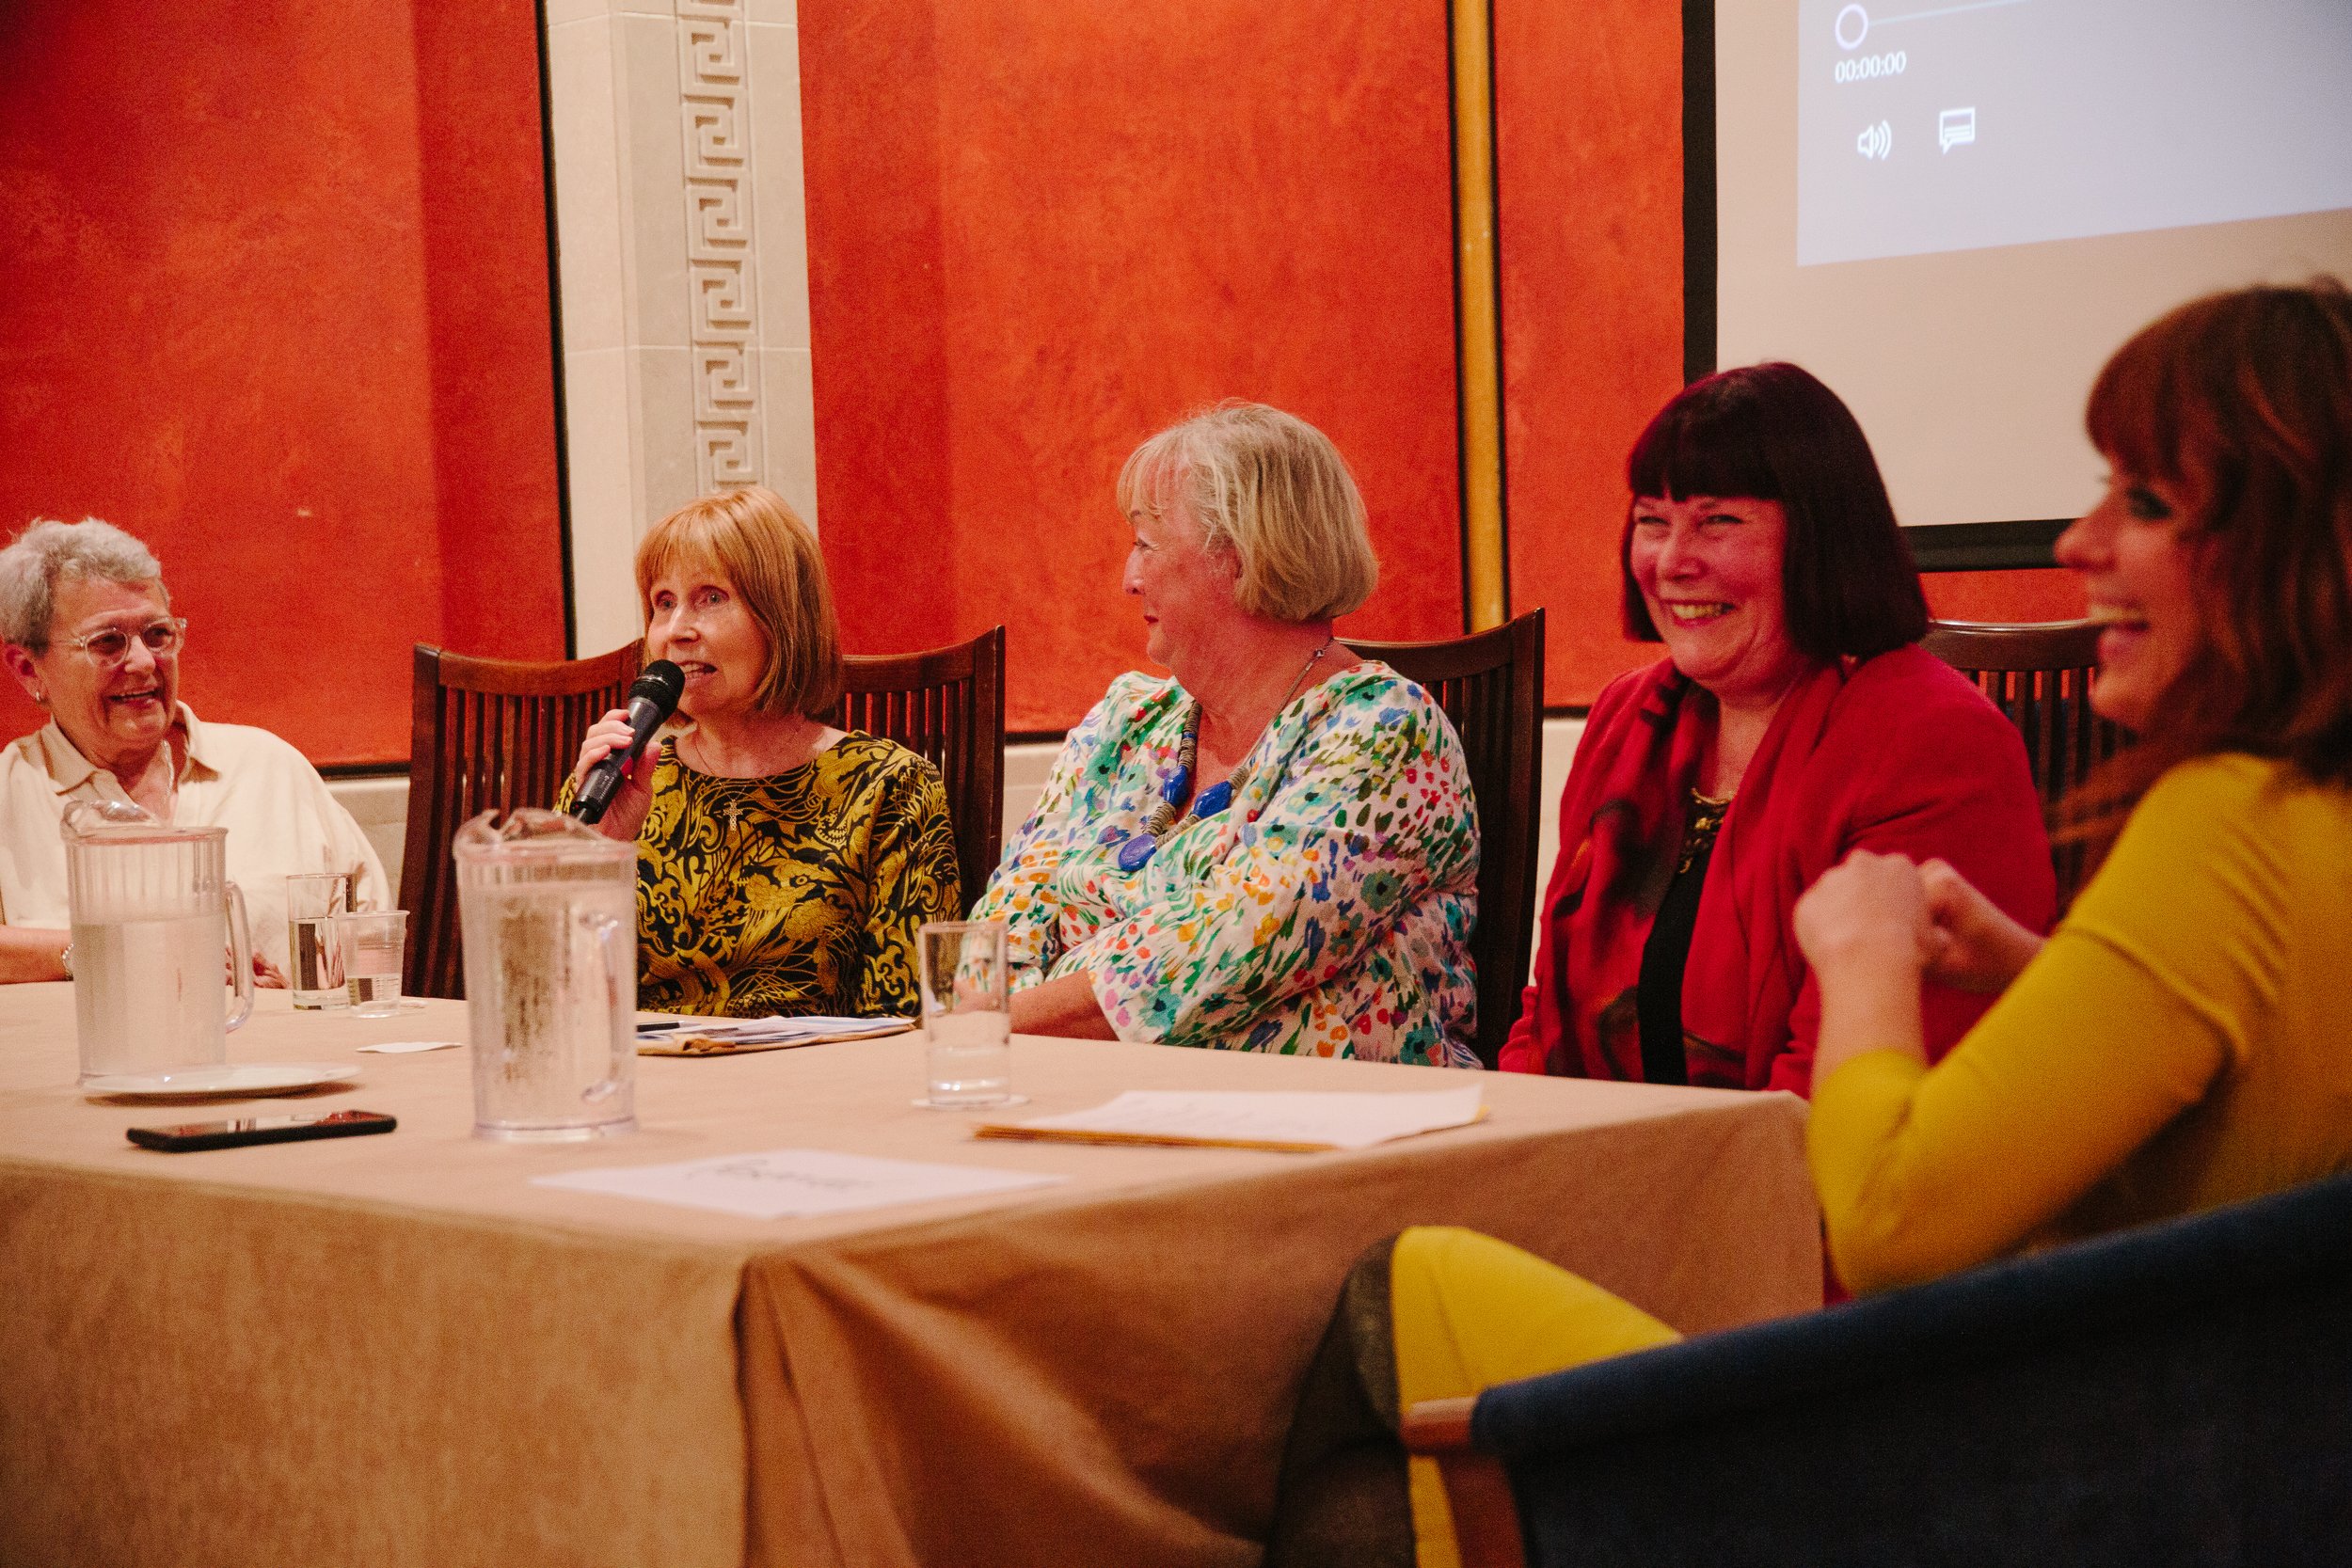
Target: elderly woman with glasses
(87, 630)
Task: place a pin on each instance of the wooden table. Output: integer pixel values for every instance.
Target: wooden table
(394, 1350)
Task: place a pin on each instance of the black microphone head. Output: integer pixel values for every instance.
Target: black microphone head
(660, 683)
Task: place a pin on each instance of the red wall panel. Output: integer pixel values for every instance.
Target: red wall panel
(488, 331)
(1588, 105)
(277, 304)
(1039, 233)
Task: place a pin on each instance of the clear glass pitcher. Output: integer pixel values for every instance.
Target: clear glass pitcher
(149, 901)
(548, 907)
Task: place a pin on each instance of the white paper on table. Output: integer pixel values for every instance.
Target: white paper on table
(401, 1048)
(795, 1182)
(1294, 1121)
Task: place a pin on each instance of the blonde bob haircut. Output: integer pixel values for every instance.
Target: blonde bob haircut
(761, 546)
(1271, 488)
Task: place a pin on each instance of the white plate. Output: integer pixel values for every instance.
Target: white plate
(236, 1078)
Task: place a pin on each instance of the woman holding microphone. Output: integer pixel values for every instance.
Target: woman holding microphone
(784, 866)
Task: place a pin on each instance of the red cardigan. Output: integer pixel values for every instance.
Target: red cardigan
(1897, 753)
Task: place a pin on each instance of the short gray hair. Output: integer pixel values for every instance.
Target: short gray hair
(1273, 489)
(48, 551)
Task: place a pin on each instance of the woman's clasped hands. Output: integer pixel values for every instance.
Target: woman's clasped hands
(1887, 911)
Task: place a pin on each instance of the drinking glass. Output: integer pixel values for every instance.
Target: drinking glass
(315, 962)
(966, 1027)
(372, 946)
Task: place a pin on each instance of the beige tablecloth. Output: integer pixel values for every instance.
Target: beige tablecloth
(394, 1350)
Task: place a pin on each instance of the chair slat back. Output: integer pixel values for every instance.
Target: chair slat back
(496, 734)
(2039, 674)
(946, 704)
(1490, 684)
(485, 735)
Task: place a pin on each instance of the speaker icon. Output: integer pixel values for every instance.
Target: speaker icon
(1876, 141)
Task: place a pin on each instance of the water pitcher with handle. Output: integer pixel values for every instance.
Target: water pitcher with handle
(548, 908)
(153, 913)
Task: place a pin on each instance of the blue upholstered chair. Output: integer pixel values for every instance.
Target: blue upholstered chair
(2176, 1394)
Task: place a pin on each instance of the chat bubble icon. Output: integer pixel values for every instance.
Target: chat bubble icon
(1954, 127)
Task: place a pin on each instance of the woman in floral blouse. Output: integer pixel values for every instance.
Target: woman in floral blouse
(1275, 849)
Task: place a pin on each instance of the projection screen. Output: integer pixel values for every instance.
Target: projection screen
(1952, 211)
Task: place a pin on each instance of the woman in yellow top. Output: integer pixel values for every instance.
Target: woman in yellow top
(783, 866)
(2183, 1039)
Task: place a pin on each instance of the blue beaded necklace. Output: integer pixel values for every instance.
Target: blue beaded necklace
(1137, 852)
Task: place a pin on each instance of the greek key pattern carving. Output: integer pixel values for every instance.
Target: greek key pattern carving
(715, 77)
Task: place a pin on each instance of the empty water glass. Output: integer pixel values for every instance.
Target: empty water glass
(372, 946)
(314, 965)
(966, 1026)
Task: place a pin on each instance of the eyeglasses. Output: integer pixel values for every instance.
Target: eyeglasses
(112, 644)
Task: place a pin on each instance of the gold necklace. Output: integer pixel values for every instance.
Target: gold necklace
(1707, 821)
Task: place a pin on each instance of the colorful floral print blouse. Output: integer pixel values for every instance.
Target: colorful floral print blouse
(795, 893)
(1326, 910)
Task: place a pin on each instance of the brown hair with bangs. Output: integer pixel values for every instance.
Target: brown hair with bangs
(761, 545)
(1774, 433)
(2243, 402)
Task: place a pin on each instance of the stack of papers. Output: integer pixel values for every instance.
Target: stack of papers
(733, 1036)
(1288, 1123)
(795, 1182)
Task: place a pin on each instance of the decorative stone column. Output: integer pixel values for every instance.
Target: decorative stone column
(683, 272)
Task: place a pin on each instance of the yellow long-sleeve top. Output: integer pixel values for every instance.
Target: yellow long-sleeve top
(2183, 1040)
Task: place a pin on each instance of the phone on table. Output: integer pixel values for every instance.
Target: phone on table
(193, 1136)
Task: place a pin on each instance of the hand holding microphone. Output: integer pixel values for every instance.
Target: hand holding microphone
(613, 770)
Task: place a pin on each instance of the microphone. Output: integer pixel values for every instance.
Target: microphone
(652, 698)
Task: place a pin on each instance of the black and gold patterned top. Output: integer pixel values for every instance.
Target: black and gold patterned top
(796, 893)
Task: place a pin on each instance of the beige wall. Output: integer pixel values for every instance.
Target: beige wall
(680, 216)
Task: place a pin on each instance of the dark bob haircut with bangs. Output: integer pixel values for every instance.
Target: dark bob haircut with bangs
(1774, 433)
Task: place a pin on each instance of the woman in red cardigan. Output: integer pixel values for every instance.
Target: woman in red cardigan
(1791, 721)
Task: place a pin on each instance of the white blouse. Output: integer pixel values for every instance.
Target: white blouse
(281, 819)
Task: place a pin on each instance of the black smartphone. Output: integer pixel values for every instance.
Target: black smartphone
(261, 1130)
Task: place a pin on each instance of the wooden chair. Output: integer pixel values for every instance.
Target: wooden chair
(2039, 675)
(496, 734)
(1491, 686)
(949, 706)
(487, 734)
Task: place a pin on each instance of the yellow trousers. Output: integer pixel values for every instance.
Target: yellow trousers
(1467, 1311)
